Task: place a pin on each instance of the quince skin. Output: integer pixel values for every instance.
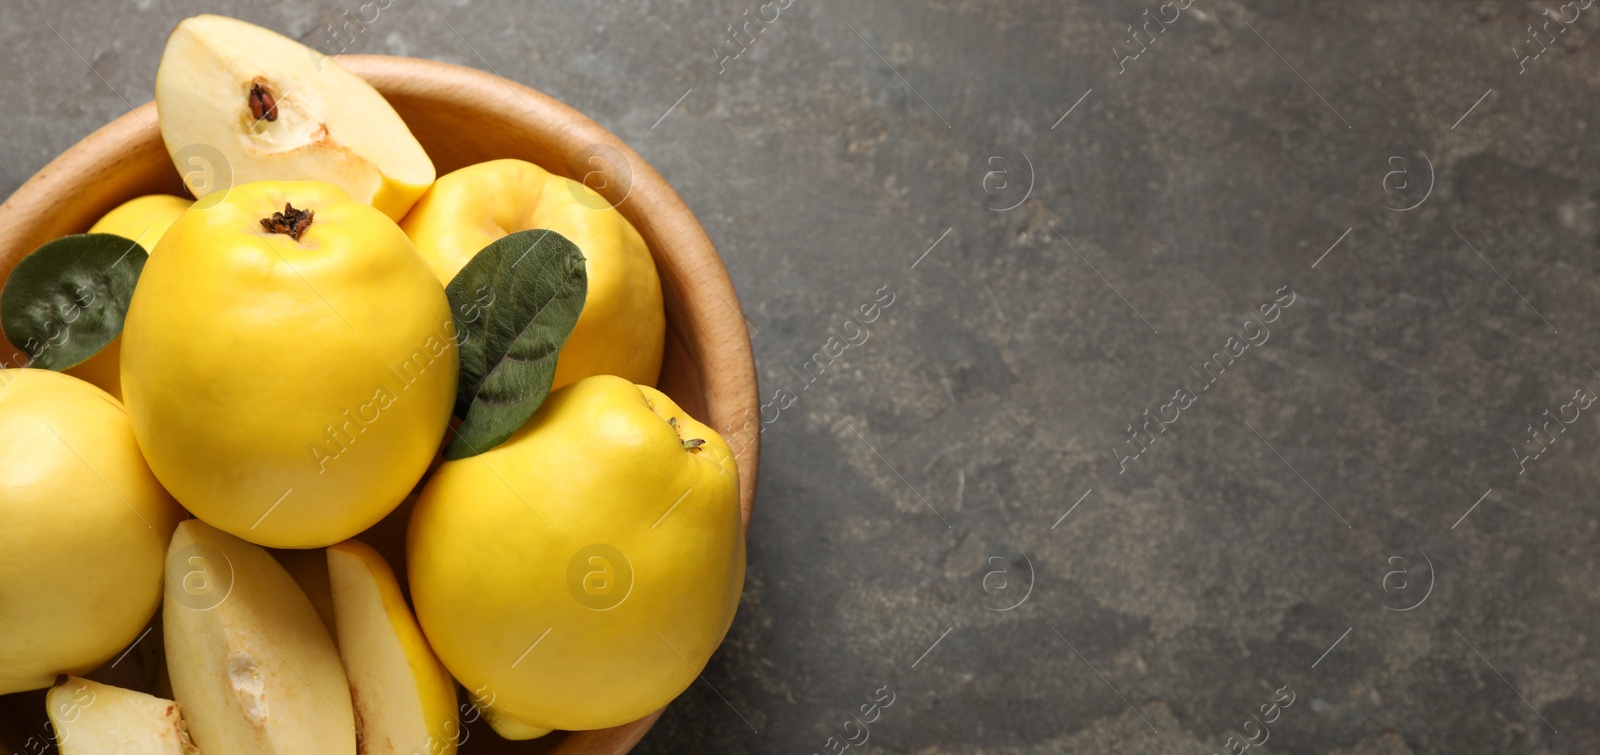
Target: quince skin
(579, 575)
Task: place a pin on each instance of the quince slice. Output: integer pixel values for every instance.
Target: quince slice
(240, 103)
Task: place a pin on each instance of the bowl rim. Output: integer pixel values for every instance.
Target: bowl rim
(718, 345)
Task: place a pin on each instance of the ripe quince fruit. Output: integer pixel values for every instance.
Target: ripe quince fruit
(83, 529)
(289, 363)
(240, 103)
(622, 327)
(579, 575)
(144, 220)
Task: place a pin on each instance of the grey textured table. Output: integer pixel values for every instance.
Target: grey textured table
(1359, 510)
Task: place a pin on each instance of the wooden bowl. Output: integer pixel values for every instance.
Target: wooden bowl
(461, 116)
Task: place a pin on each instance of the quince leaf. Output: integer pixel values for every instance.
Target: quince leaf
(64, 302)
(514, 306)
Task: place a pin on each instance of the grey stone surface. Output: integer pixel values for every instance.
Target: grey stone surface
(1251, 546)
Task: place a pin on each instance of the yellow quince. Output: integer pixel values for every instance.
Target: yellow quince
(84, 528)
(289, 363)
(579, 575)
(622, 327)
(144, 220)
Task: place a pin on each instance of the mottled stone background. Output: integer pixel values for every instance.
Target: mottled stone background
(1427, 196)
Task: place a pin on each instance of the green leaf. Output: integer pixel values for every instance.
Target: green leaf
(514, 305)
(66, 300)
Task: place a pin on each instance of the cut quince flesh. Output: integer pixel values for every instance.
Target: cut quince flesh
(405, 700)
(251, 662)
(91, 718)
(240, 103)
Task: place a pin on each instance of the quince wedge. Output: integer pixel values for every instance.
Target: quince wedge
(91, 718)
(579, 575)
(289, 363)
(251, 663)
(622, 327)
(405, 700)
(240, 103)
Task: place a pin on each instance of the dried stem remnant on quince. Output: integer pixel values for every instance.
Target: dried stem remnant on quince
(290, 222)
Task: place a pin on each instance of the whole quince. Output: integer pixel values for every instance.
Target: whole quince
(579, 575)
(622, 327)
(289, 363)
(144, 220)
(83, 529)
